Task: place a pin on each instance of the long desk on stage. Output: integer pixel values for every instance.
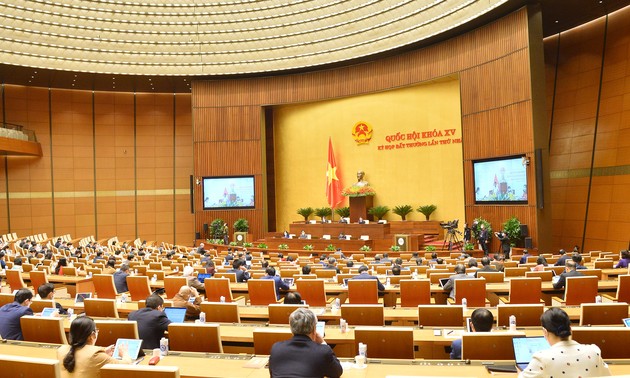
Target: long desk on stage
(373, 230)
(203, 365)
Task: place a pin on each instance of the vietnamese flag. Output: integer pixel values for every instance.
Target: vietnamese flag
(333, 183)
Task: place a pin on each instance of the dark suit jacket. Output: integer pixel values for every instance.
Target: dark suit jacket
(151, 326)
(370, 277)
(120, 281)
(563, 278)
(487, 268)
(450, 285)
(10, 315)
(562, 260)
(302, 357)
(241, 276)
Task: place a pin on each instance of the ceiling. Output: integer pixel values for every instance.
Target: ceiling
(558, 16)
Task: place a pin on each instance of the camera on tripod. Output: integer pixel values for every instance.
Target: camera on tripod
(452, 225)
(451, 234)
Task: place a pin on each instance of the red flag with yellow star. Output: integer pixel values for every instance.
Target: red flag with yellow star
(333, 182)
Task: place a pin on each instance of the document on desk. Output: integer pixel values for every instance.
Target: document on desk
(257, 362)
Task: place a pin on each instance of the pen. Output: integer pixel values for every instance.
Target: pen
(449, 332)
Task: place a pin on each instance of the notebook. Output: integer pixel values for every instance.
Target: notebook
(525, 347)
(288, 281)
(202, 277)
(175, 314)
(133, 348)
(443, 281)
(80, 297)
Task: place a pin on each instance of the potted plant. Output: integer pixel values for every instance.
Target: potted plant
(248, 245)
(476, 228)
(365, 248)
(394, 248)
(429, 248)
(512, 228)
(427, 210)
(331, 248)
(379, 211)
(308, 247)
(263, 246)
(283, 246)
(241, 227)
(306, 212)
(402, 211)
(323, 212)
(216, 229)
(343, 212)
(469, 246)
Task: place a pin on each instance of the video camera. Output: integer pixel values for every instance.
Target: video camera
(452, 225)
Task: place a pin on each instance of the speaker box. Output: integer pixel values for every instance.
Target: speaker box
(205, 228)
(524, 231)
(529, 243)
(197, 235)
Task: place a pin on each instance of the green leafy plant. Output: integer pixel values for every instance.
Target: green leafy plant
(323, 212)
(476, 228)
(241, 225)
(331, 247)
(394, 248)
(306, 212)
(512, 228)
(233, 243)
(263, 246)
(343, 212)
(469, 246)
(214, 241)
(283, 246)
(365, 248)
(248, 245)
(379, 211)
(216, 228)
(427, 210)
(308, 247)
(402, 211)
(430, 248)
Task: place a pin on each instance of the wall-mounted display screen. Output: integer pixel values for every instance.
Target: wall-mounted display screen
(500, 180)
(235, 192)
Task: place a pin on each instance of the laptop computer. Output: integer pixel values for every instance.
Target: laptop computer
(443, 281)
(288, 281)
(80, 297)
(175, 314)
(133, 348)
(202, 277)
(525, 347)
(626, 322)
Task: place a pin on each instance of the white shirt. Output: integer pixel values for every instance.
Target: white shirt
(567, 359)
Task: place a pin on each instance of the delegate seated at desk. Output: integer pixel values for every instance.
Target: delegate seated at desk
(460, 274)
(481, 321)
(570, 271)
(365, 275)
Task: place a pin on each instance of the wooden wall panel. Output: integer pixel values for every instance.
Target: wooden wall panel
(183, 216)
(492, 63)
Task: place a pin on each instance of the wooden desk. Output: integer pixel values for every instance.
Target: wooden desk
(373, 230)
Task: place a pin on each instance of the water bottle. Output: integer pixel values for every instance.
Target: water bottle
(337, 304)
(414, 275)
(202, 317)
(154, 278)
(222, 299)
(464, 303)
(343, 325)
(363, 351)
(123, 298)
(598, 299)
(387, 282)
(89, 275)
(71, 313)
(512, 323)
(164, 346)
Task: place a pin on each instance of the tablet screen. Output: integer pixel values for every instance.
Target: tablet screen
(133, 348)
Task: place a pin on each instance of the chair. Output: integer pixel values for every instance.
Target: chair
(524, 290)
(526, 314)
(325, 273)
(623, 290)
(38, 278)
(474, 290)
(38, 305)
(217, 312)
(159, 274)
(104, 286)
(111, 330)
(515, 272)
(441, 315)
(604, 264)
(195, 337)
(362, 291)
(487, 346)
(30, 367)
(415, 292)
(279, 313)
(173, 284)
(363, 314)
(6, 298)
(492, 277)
(220, 287)
(558, 269)
(264, 338)
(262, 292)
(139, 371)
(592, 272)
(100, 308)
(342, 276)
(138, 287)
(14, 278)
(578, 290)
(389, 342)
(43, 330)
(613, 341)
(603, 313)
(436, 277)
(230, 276)
(545, 275)
(69, 271)
(313, 292)
(93, 271)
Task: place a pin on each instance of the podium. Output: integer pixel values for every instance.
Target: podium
(359, 207)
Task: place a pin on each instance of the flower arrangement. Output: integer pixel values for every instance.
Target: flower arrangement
(283, 246)
(394, 248)
(365, 248)
(248, 245)
(430, 248)
(331, 247)
(233, 243)
(263, 246)
(308, 247)
(358, 191)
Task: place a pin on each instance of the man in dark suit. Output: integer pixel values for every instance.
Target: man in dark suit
(120, 279)
(306, 354)
(460, 274)
(365, 275)
(239, 267)
(483, 239)
(152, 322)
(569, 271)
(523, 259)
(562, 259)
(485, 266)
(10, 314)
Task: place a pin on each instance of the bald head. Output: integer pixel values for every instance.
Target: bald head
(185, 291)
